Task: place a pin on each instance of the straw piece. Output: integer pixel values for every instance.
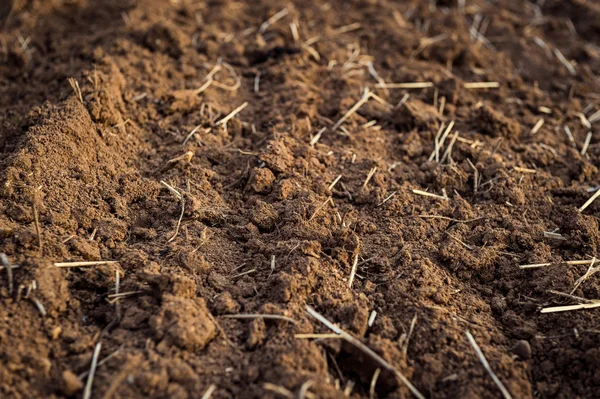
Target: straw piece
(487, 367)
(260, 316)
(481, 85)
(568, 308)
(406, 85)
(353, 271)
(589, 201)
(358, 344)
(87, 392)
(85, 264)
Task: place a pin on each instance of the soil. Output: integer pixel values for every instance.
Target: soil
(240, 218)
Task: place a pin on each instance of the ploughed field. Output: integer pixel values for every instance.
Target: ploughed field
(306, 199)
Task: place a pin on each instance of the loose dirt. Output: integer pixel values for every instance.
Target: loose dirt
(223, 233)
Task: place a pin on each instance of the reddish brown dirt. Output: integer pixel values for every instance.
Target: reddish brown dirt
(257, 234)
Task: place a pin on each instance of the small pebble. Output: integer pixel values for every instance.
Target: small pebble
(522, 349)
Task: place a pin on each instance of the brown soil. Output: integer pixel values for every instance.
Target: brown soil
(254, 231)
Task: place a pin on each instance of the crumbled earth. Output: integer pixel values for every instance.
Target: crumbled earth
(118, 143)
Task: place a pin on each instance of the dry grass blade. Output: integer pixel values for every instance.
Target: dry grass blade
(260, 316)
(358, 344)
(389, 197)
(380, 100)
(294, 30)
(101, 362)
(314, 53)
(363, 100)
(236, 78)
(426, 42)
(187, 157)
(374, 73)
(426, 194)
(481, 85)
(317, 336)
(75, 86)
(369, 124)
(124, 294)
(442, 105)
(178, 221)
(265, 25)
(594, 117)
(402, 101)
(85, 263)
(369, 176)
(554, 236)
(586, 144)
(38, 230)
(589, 201)
(312, 40)
(332, 185)
(257, 82)
(570, 136)
(569, 308)
(209, 391)
(524, 170)
(273, 264)
(9, 274)
(317, 137)
(244, 273)
(584, 121)
(114, 298)
(279, 390)
(87, 392)
(439, 141)
(353, 271)
(448, 152)
(189, 136)
(328, 200)
(565, 62)
(374, 383)
(303, 393)
(475, 176)
(406, 85)
(436, 141)
(464, 244)
(204, 86)
(571, 296)
(569, 262)
(371, 319)
(487, 367)
(172, 189)
(410, 332)
(232, 114)
(182, 199)
(589, 273)
(538, 125)
(40, 307)
(347, 28)
(348, 389)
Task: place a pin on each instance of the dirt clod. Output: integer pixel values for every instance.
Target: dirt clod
(183, 322)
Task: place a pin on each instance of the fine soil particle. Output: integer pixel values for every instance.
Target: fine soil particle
(192, 143)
